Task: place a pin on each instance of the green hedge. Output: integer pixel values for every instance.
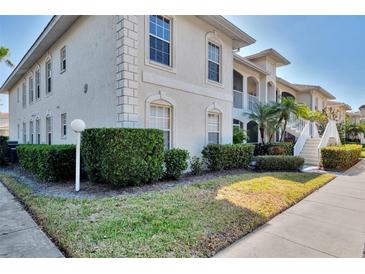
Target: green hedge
(219, 157)
(340, 157)
(175, 162)
(48, 162)
(123, 156)
(4, 154)
(279, 163)
(284, 148)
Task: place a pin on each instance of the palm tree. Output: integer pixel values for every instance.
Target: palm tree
(4, 56)
(264, 116)
(286, 107)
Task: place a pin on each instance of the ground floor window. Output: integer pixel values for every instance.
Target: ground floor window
(38, 130)
(160, 118)
(31, 132)
(238, 123)
(24, 133)
(213, 128)
(63, 125)
(252, 132)
(49, 130)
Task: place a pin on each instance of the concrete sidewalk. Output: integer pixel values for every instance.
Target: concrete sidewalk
(328, 223)
(20, 237)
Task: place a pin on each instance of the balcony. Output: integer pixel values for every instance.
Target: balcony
(252, 101)
(239, 101)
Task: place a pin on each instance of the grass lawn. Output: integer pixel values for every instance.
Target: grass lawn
(185, 221)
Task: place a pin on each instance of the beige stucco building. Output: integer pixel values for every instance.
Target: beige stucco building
(181, 74)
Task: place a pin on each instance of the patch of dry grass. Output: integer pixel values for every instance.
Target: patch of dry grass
(186, 221)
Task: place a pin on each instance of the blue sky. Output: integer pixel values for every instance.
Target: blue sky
(323, 50)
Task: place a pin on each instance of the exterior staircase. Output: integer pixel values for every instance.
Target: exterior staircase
(310, 152)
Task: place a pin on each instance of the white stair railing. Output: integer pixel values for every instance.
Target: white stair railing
(329, 133)
(304, 135)
(296, 123)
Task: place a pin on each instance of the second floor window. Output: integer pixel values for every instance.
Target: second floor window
(24, 91)
(63, 59)
(48, 77)
(17, 95)
(31, 94)
(237, 90)
(160, 39)
(213, 62)
(37, 85)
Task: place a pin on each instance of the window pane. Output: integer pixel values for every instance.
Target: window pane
(213, 71)
(213, 138)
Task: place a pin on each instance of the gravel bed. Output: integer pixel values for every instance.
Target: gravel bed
(66, 189)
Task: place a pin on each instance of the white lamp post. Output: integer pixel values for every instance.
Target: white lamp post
(78, 126)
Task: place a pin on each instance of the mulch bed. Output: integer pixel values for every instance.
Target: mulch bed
(66, 189)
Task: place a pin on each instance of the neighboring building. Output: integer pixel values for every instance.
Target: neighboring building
(337, 110)
(4, 124)
(176, 73)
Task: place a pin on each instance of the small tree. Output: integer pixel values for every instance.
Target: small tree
(265, 116)
(4, 56)
(239, 135)
(286, 107)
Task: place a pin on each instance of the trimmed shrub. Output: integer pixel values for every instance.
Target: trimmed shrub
(279, 163)
(4, 153)
(196, 165)
(175, 162)
(220, 157)
(285, 148)
(48, 162)
(340, 157)
(123, 156)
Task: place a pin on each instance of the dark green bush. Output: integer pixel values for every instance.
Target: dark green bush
(284, 148)
(48, 162)
(279, 163)
(219, 157)
(123, 156)
(340, 157)
(4, 150)
(196, 165)
(175, 162)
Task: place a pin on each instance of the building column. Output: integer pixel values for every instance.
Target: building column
(127, 70)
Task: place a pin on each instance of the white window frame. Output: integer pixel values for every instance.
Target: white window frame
(157, 65)
(24, 133)
(31, 89)
(64, 125)
(213, 37)
(38, 130)
(210, 113)
(63, 59)
(48, 70)
(48, 127)
(24, 94)
(169, 130)
(37, 84)
(212, 44)
(31, 131)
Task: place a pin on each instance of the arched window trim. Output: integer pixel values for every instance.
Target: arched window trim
(161, 96)
(213, 37)
(216, 109)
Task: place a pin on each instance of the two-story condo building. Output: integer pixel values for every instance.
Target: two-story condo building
(180, 74)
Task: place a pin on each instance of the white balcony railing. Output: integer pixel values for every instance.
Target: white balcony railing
(296, 123)
(237, 99)
(252, 101)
